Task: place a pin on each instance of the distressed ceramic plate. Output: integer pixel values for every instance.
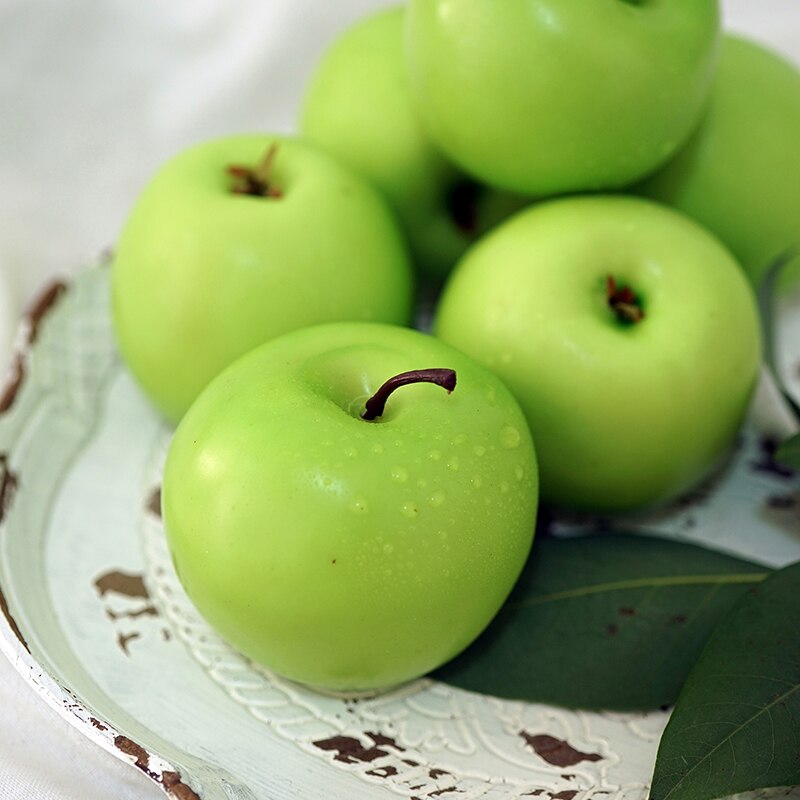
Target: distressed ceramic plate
(94, 617)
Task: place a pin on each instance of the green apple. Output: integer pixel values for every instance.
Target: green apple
(629, 336)
(550, 96)
(739, 175)
(239, 240)
(340, 552)
(358, 107)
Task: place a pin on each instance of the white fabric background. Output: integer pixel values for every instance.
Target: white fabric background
(94, 95)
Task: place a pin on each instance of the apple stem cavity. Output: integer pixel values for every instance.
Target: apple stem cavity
(376, 405)
(624, 302)
(256, 182)
(462, 205)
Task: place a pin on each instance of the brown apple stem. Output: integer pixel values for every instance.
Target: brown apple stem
(375, 406)
(256, 182)
(624, 302)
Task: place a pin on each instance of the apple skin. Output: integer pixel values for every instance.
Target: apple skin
(624, 415)
(202, 275)
(342, 553)
(551, 96)
(358, 107)
(739, 174)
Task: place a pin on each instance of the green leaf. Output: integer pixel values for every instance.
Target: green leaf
(766, 305)
(604, 621)
(789, 452)
(736, 726)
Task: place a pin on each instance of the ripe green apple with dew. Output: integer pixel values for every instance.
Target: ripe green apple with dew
(239, 240)
(627, 333)
(358, 107)
(551, 96)
(739, 175)
(344, 552)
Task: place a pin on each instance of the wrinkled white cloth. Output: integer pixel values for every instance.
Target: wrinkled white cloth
(94, 95)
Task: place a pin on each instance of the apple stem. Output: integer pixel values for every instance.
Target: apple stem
(256, 182)
(624, 302)
(375, 406)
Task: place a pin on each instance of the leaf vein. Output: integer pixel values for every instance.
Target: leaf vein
(643, 583)
(728, 739)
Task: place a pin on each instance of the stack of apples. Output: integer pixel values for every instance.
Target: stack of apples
(349, 501)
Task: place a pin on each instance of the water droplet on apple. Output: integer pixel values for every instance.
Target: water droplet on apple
(436, 499)
(434, 455)
(422, 483)
(479, 450)
(399, 475)
(351, 452)
(388, 549)
(504, 488)
(519, 472)
(442, 535)
(359, 506)
(476, 481)
(377, 448)
(460, 439)
(509, 437)
(410, 509)
(452, 463)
